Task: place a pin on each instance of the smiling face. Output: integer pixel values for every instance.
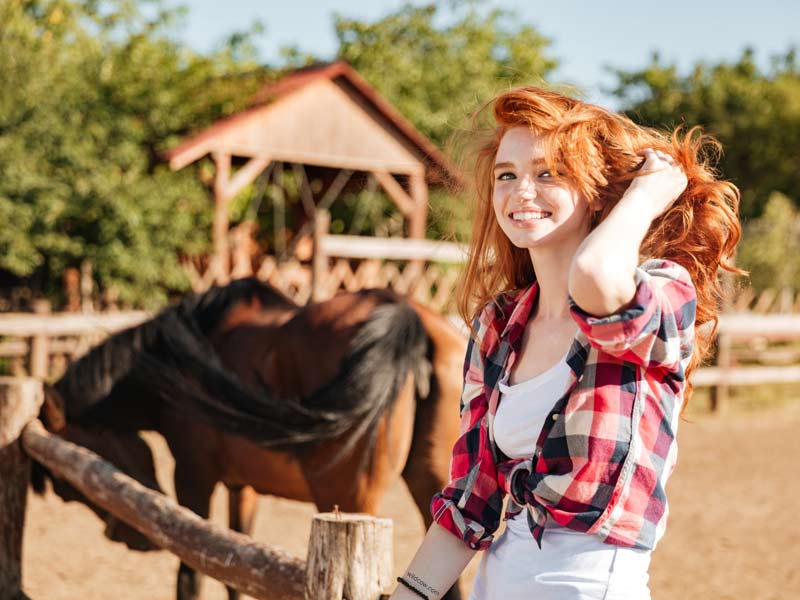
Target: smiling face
(533, 207)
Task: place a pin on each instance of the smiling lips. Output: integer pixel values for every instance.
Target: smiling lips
(529, 215)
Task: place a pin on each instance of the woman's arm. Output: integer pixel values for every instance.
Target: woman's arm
(601, 278)
(435, 567)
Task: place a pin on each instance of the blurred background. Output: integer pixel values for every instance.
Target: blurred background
(95, 94)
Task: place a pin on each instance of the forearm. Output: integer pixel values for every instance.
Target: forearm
(601, 277)
(439, 561)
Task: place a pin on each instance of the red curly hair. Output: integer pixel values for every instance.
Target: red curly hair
(598, 151)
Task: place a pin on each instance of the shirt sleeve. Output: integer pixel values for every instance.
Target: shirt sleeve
(470, 505)
(657, 329)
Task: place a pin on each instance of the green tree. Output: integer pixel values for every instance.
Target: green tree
(771, 244)
(754, 113)
(437, 70)
(90, 93)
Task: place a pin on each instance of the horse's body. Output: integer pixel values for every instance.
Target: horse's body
(259, 340)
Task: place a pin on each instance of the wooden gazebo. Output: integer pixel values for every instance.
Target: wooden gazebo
(326, 118)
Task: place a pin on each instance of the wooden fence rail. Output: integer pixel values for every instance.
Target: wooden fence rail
(235, 559)
(42, 336)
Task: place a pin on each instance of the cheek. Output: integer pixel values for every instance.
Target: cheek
(498, 200)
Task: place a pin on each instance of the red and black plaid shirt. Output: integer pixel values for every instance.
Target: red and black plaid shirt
(608, 446)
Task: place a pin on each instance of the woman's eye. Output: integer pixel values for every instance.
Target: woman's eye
(545, 173)
(505, 176)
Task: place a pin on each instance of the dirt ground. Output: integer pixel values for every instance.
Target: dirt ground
(733, 533)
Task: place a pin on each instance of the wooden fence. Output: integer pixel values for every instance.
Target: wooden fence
(747, 351)
(423, 269)
(349, 556)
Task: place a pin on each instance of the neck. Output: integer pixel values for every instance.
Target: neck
(551, 266)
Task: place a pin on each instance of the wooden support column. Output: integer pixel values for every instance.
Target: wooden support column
(221, 260)
(417, 221)
(419, 218)
(721, 392)
(225, 189)
(349, 556)
(40, 345)
(319, 261)
(20, 400)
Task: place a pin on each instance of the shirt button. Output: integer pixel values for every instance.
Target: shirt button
(555, 417)
(473, 545)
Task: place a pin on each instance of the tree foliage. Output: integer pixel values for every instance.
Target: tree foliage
(754, 113)
(437, 71)
(771, 245)
(90, 92)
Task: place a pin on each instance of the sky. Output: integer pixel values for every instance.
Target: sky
(586, 35)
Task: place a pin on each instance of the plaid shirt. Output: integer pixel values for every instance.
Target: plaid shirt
(608, 445)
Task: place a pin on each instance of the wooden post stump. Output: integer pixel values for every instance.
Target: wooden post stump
(349, 557)
(20, 400)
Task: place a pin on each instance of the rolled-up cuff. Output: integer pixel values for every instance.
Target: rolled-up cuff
(446, 514)
(619, 330)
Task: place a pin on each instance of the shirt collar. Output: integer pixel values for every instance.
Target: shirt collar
(522, 303)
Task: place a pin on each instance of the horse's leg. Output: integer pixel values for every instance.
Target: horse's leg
(242, 506)
(193, 487)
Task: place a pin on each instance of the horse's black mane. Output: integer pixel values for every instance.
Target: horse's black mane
(171, 357)
(91, 379)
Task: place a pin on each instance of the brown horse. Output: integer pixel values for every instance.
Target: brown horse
(327, 403)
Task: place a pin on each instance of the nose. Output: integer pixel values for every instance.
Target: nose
(526, 189)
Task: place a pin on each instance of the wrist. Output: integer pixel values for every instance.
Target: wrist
(639, 204)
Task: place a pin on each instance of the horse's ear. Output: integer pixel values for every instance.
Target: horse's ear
(53, 413)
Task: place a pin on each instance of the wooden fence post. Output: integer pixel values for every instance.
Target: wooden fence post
(720, 393)
(20, 400)
(349, 556)
(40, 345)
(319, 261)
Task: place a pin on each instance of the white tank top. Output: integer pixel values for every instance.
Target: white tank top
(523, 408)
(570, 565)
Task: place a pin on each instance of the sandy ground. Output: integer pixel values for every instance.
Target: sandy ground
(734, 529)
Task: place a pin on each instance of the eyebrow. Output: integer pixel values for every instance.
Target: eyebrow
(506, 164)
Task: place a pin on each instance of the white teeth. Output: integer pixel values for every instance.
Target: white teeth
(529, 216)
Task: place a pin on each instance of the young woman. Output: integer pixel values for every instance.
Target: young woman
(593, 261)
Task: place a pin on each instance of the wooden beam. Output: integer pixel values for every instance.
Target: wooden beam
(324, 160)
(188, 156)
(358, 246)
(771, 326)
(745, 375)
(245, 176)
(232, 558)
(404, 202)
(64, 324)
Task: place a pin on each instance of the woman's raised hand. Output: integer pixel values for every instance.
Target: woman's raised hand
(662, 183)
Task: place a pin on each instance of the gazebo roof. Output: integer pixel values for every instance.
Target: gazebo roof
(327, 116)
